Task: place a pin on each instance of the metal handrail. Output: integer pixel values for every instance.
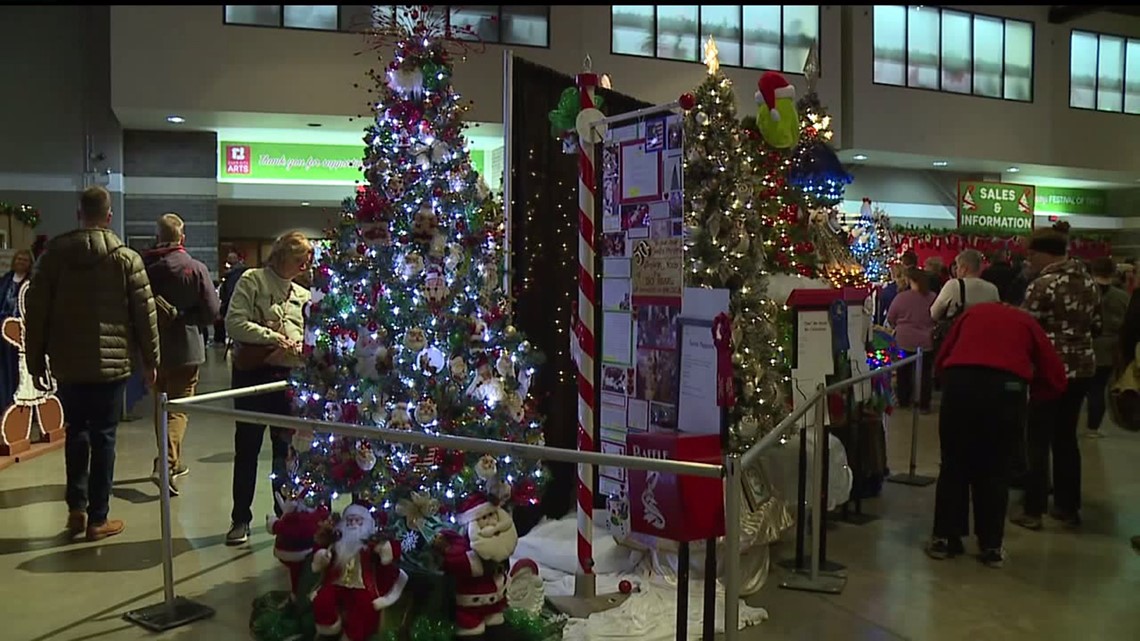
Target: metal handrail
(521, 450)
(771, 438)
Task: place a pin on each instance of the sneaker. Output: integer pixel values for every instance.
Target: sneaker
(1028, 522)
(940, 548)
(76, 522)
(156, 478)
(993, 558)
(238, 534)
(100, 531)
(179, 471)
(1069, 519)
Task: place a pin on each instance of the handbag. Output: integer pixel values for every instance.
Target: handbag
(248, 356)
(942, 327)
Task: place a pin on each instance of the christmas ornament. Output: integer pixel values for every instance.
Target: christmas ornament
(413, 265)
(687, 101)
(425, 411)
(416, 509)
(776, 116)
(487, 468)
(408, 81)
(435, 288)
(505, 366)
(400, 418)
(424, 224)
(625, 586)
(458, 368)
(415, 339)
(525, 590)
(365, 457)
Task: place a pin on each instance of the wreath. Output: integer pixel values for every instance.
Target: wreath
(25, 213)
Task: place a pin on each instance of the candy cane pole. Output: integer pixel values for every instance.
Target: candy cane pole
(584, 582)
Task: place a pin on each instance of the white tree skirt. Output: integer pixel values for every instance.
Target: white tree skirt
(649, 614)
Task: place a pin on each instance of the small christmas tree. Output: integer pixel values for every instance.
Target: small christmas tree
(872, 242)
(723, 249)
(410, 326)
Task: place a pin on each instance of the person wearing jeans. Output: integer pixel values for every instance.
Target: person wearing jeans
(266, 323)
(1113, 306)
(185, 301)
(1066, 302)
(89, 310)
(993, 358)
(909, 315)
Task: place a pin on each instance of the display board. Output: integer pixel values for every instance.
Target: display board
(995, 208)
(642, 282)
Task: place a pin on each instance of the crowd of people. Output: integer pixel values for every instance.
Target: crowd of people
(95, 311)
(1018, 351)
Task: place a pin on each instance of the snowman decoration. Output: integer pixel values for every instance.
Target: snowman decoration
(29, 402)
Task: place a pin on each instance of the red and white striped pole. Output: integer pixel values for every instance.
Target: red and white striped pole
(584, 581)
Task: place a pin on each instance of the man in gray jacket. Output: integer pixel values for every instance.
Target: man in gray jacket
(89, 309)
(186, 301)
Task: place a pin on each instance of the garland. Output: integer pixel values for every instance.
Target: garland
(1081, 245)
(25, 213)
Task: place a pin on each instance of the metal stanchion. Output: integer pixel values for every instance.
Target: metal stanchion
(174, 611)
(732, 497)
(910, 477)
(816, 581)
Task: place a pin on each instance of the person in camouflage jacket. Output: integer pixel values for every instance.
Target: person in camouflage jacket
(1064, 298)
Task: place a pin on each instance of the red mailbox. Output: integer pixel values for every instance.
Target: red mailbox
(678, 508)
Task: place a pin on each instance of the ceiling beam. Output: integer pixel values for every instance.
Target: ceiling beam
(1060, 14)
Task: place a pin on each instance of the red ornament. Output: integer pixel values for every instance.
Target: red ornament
(372, 326)
(687, 101)
(625, 587)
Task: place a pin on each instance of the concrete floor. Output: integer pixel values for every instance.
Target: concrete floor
(1056, 585)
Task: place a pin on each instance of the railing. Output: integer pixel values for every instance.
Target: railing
(175, 611)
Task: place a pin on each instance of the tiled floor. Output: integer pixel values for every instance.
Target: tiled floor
(1056, 585)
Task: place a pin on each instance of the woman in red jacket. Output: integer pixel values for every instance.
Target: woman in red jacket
(993, 359)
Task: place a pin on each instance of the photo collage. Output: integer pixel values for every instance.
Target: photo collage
(642, 280)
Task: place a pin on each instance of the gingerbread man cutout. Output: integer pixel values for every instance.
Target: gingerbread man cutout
(29, 401)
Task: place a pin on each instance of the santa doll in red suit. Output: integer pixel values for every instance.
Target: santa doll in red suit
(295, 532)
(361, 577)
(479, 561)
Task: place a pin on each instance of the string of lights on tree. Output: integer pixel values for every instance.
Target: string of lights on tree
(722, 249)
(409, 326)
(873, 242)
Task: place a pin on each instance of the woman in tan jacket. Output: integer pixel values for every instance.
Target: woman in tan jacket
(267, 326)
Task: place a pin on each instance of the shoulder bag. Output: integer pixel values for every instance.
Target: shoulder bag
(942, 327)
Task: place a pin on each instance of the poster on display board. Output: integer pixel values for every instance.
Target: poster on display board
(642, 283)
(995, 208)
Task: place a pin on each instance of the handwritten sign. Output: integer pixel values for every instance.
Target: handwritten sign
(658, 273)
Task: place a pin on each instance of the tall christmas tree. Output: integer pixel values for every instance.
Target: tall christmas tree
(410, 325)
(872, 242)
(724, 249)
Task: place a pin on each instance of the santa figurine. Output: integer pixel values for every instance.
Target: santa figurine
(361, 578)
(295, 532)
(479, 561)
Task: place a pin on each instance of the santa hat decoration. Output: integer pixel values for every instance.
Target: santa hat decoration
(772, 86)
(473, 508)
(524, 566)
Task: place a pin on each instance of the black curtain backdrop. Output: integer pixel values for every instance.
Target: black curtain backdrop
(544, 256)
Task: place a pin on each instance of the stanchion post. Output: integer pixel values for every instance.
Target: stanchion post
(174, 611)
(911, 477)
(815, 581)
(732, 497)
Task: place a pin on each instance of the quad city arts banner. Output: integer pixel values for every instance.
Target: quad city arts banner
(995, 208)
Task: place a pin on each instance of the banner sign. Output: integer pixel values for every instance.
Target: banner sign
(1059, 200)
(995, 208)
(289, 162)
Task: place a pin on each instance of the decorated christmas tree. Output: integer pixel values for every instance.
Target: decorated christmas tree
(410, 330)
(872, 242)
(724, 249)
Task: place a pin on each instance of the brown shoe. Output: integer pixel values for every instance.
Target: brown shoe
(76, 522)
(104, 530)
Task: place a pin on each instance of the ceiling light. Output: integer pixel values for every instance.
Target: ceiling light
(940, 163)
(175, 120)
(314, 124)
(304, 203)
(860, 156)
(1013, 170)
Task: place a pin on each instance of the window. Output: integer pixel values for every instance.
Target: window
(946, 50)
(493, 24)
(758, 37)
(1104, 72)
